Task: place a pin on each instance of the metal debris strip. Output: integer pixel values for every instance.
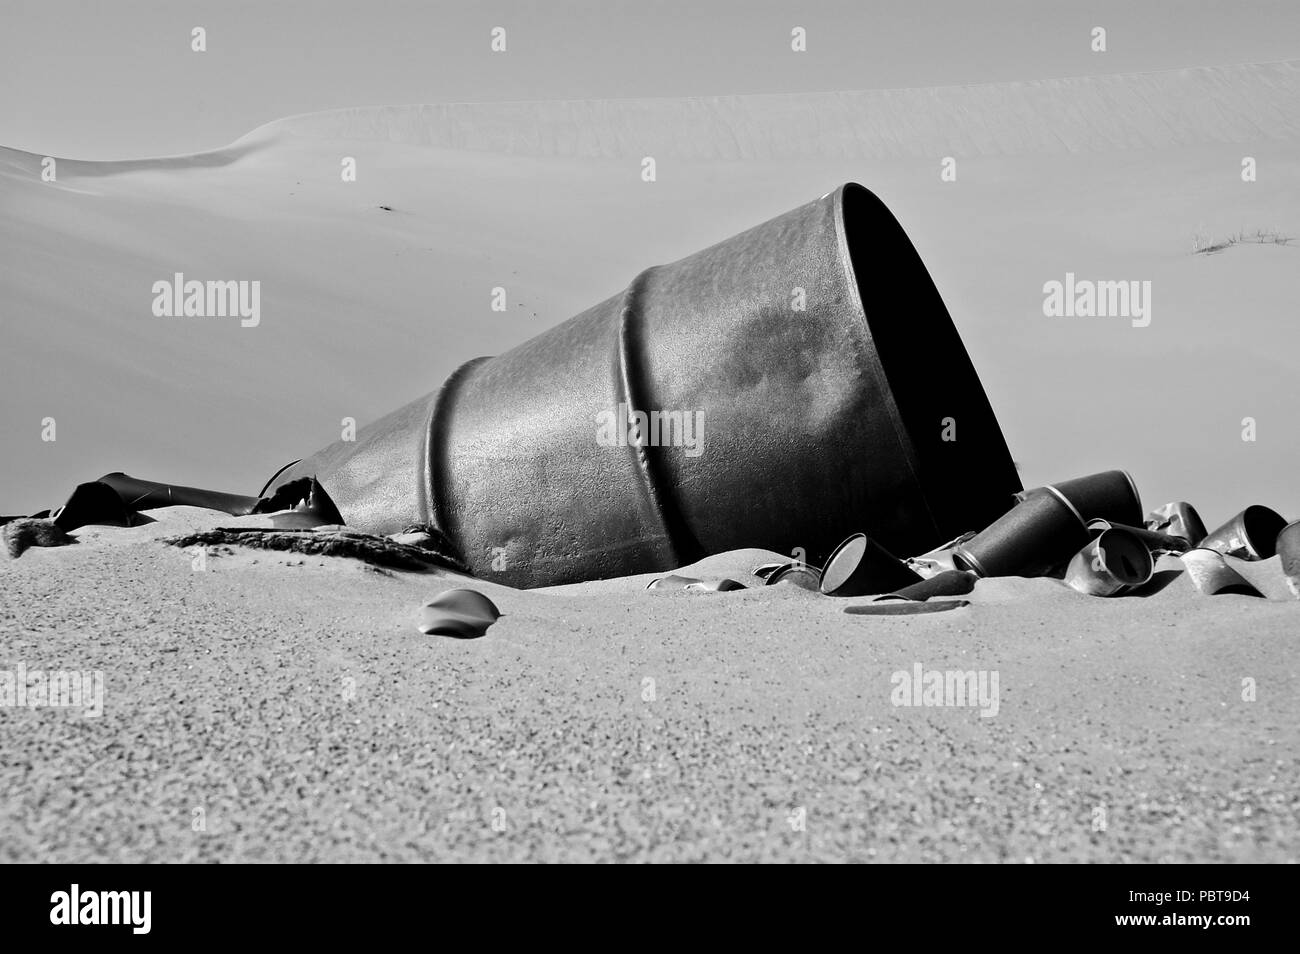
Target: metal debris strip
(1211, 574)
(375, 550)
(1177, 519)
(1288, 551)
(905, 609)
(798, 574)
(947, 583)
(1073, 531)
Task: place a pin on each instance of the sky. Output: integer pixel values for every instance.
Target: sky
(92, 80)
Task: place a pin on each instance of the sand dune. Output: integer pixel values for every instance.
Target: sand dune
(1136, 111)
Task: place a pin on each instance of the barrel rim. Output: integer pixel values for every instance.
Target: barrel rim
(924, 369)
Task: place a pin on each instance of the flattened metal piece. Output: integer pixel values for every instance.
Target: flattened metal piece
(1288, 551)
(1211, 575)
(948, 583)
(905, 609)
(1249, 535)
(672, 582)
(800, 574)
(462, 614)
(716, 586)
(1177, 518)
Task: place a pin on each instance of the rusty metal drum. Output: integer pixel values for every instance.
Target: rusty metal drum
(786, 387)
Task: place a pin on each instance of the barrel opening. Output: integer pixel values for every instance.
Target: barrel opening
(957, 449)
(1262, 526)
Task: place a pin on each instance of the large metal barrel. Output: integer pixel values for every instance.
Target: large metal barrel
(827, 386)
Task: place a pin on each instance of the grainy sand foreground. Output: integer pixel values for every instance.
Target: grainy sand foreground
(293, 711)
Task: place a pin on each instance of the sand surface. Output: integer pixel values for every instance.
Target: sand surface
(296, 705)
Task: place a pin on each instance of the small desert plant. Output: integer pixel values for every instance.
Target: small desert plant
(1203, 244)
